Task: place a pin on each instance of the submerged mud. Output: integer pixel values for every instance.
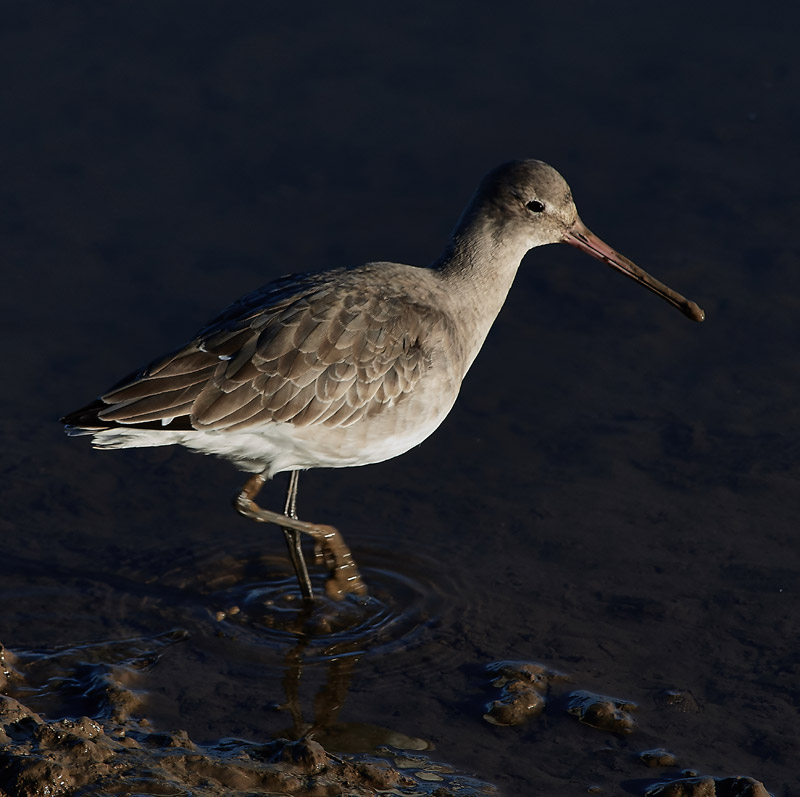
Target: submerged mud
(117, 751)
(85, 756)
(709, 787)
(529, 689)
(73, 721)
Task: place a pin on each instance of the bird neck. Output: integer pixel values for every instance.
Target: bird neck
(478, 268)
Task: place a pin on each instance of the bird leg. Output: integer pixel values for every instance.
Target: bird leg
(344, 577)
(293, 538)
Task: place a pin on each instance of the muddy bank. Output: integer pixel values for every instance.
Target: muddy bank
(117, 751)
(114, 748)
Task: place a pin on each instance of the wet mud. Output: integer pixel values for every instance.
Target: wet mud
(709, 787)
(585, 582)
(91, 733)
(117, 751)
(114, 749)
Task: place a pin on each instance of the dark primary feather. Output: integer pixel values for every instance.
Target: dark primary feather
(300, 350)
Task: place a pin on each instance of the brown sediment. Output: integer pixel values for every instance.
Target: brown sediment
(709, 787)
(115, 752)
(524, 686)
(601, 712)
(64, 756)
(676, 700)
(658, 758)
(7, 666)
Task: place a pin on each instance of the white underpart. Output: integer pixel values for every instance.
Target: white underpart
(274, 447)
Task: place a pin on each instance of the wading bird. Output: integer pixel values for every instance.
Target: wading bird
(348, 366)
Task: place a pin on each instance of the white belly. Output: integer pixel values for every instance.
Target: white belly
(276, 447)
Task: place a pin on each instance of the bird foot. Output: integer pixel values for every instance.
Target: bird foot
(343, 579)
(330, 548)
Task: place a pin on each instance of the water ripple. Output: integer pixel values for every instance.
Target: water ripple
(257, 601)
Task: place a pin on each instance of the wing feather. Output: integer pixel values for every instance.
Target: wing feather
(183, 362)
(301, 351)
(143, 408)
(214, 406)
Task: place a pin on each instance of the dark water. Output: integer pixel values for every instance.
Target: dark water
(615, 494)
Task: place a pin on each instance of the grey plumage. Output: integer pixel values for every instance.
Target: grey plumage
(330, 349)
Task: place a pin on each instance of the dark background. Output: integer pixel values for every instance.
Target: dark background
(615, 493)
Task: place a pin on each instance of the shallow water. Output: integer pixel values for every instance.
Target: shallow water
(613, 498)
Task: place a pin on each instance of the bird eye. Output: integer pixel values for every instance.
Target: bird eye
(535, 205)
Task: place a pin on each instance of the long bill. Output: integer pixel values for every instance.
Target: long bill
(588, 242)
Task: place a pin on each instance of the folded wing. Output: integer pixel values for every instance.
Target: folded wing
(299, 351)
